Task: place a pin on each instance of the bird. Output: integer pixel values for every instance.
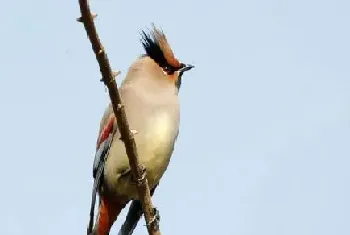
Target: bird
(150, 95)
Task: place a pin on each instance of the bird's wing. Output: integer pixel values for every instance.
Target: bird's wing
(108, 129)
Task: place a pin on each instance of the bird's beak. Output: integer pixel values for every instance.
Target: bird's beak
(187, 67)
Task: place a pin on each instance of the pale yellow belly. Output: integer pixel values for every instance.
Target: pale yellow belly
(154, 148)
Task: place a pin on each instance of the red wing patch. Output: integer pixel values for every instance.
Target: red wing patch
(107, 129)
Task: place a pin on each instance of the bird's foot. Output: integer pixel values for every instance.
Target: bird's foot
(154, 223)
(140, 180)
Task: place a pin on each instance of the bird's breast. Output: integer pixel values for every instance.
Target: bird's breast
(155, 138)
(160, 138)
(161, 133)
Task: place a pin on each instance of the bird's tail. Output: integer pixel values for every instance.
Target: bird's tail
(108, 213)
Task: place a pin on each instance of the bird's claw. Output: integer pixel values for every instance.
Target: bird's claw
(154, 223)
(139, 181)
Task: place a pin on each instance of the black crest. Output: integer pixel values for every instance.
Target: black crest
(153, 49)
(158, 49)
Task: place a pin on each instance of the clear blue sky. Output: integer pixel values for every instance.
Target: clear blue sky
(264, 146)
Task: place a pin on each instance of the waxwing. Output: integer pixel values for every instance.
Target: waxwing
(150, 97)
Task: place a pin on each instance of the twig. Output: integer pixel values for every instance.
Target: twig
(133, 217)
(119, 111)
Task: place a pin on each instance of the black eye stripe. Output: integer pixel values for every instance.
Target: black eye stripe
(169, 69)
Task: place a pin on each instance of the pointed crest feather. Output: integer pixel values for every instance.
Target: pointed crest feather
(158, 48)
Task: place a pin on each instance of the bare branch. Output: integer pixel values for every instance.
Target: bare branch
(133, 217)
(119, 111)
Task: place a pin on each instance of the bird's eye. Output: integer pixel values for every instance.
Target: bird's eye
(168, 70)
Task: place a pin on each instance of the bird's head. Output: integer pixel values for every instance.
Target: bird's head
(164, 61)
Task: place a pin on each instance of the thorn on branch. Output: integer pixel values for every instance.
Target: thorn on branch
(93, 16)
(116, 73)
(119, 106)
(133, 132)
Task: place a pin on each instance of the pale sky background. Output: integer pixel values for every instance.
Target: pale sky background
(264, 144)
